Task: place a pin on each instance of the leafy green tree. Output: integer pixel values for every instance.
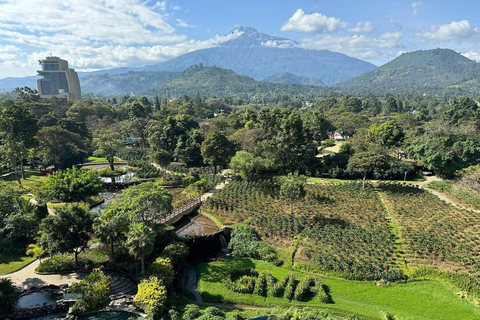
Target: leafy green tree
(390, 105)
(217, 150)
(388, 134)
(108, 143)
(68, 230)
(60, 148)
(21, 226)
(72, 185)
(111, 228)
(176, 252)
(445, 154)
(147, 202)
(246, 164)
(365, 162)
(9, 193)
(140, 241)
(17, 130)
(294, 147)
(292, 189)
(461, 111)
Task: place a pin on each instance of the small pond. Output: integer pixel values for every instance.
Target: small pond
(108, 196)
(42, 298)
(124, 178)
(198, 225)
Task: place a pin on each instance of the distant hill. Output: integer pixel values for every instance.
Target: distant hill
(430, 69)
(253, 53)
(219, 82)
(118, 84)
(9, 84)
(293, 79)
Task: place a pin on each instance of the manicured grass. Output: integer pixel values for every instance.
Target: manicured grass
(413, 300)
(97, 159)
(11, 263)
(32, 180)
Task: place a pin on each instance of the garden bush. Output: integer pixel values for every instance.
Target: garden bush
(7, 296)
(290, 287)
(94, 291)
(162, 268)
(151, 296)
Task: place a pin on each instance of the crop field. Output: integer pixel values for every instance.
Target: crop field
(434, 233)
(343, 228)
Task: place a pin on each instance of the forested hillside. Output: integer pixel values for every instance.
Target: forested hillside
(213, 81)
(287, 77)
(420, 70)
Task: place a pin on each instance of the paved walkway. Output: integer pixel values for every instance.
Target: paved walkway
(26, 278)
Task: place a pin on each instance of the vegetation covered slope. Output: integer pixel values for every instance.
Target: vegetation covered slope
(118, 84)
(430, 69)
(291, 78)
(213, 81)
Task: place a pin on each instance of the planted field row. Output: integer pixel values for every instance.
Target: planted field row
(434, 232)
(343, 227)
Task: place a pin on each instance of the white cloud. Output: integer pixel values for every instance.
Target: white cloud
(363, 27)
(416, 6)
(161, 5)
(183, 24)
(473, 55)
(358, 46)
(174, 7)
(117, 21)
(283, 44)
(314, 22)
(457, 30)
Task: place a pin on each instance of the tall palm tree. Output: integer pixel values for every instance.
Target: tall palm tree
(110, 227)
(140, 241)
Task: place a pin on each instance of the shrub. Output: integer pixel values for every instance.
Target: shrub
(290, 287)
(192, 312)
(176, 252)
(162, 157)
(303, 289)
(246, 282)
(7, 296)
(246, 243)
(94, 291)
(261, 284)
(151, 296)
(162, 268)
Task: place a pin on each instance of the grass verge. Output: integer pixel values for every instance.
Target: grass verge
(417, 300)
(10, 262)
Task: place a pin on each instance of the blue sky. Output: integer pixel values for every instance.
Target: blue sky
(95, 34)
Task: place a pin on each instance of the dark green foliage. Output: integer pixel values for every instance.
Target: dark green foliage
(132, 154)
(446, 153)
(68, 230)
(246, 243)
(290, 78)
(176, 252)
(94, 291)
(7, 296)
(290, 287)
(72, 185)
(261, 284)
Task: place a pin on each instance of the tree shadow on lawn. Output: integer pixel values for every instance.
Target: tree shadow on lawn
(217, 271)
(9, 258)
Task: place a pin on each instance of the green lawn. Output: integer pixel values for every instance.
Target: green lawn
(11, 263)
(32, 180)
(409, 301)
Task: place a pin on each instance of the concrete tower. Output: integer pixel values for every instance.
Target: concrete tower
(58, 80)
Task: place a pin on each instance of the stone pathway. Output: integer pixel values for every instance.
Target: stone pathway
(26, 278)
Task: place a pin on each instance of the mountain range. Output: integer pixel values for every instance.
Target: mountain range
(283, 68)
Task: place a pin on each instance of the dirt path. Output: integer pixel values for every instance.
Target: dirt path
(443, 196)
